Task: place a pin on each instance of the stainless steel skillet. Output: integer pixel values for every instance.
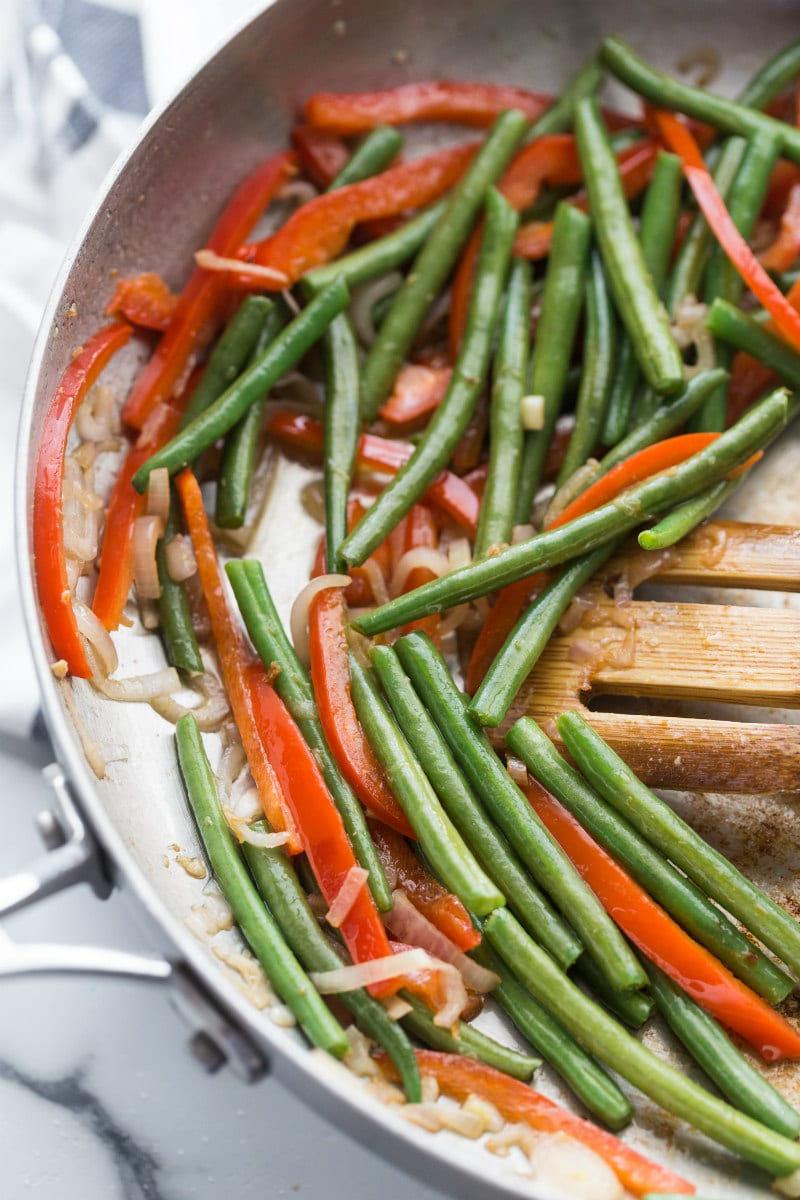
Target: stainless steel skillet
(158, 207)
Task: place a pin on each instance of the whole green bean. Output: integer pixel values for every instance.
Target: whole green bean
(378, 257)
(775, 75)
(726, 115)
(466, 812)
(659, 221)
(687, 516)
(505, 423)
(590, 1082)
(599, 368)
(441, 843)
(175, 619)
(635, 296)
(215, 421)
(294, 688)
(552, 351)
(743, 333)
(711, 1047)
(559, 116)
(450, 420)
(602, 1036)
(282, 968)
(648, 866)
(436, 260)
(230, 355)
(656, 821)
(342, 426)
(466, 1041)
(237, 463)
(759, 425)
(379, 147)
(525, 643)
(633, 1008)
(279, 887)
(508, 806)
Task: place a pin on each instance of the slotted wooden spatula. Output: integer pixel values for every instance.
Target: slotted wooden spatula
(666, 654)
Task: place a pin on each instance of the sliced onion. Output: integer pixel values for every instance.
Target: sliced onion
(243, 832)
(459, 553)
(209, 261)
(418, 557)
(139, 688)
(517, 770)
(158, 493)
(364, 300)
(146, 532)
(531, 412)
(98, 637)
(181, 562)
(97, 419)
(454, 617)
(572, 1169)
(299, 191)
(396, 1007)
(376, 580)
(375, 970)
(408, 924)
(81, 514)
(521, 533)
(212, 711)
(352, 886)
(299, 619)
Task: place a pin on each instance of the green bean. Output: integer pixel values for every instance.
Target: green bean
(342, 426)
(436, 260)
(378, 257)
(510, 809)
(635, 296)
(230, 355)
(599, 367)
(711, 1047)
(441, 843)
(559, 116)
(379, 147)
(660, 212)
(505, 442)
(722, 278)
(525, 643)
(586, 1078)
(743, 333)
(759, 425)
(175, 619)
(466, 812)
(656, 821)
(726, 115)
(602, 1036)
(633, 1008)
(282, 968)
(294, 688)
(552, 350)
(451, 418)
(687, 516)
(215, 421)
(466, 1041)
(648, 866)
(283, 894)
(235, 474)
(775, 75)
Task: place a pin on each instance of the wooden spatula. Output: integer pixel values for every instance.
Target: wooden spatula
(674, 655)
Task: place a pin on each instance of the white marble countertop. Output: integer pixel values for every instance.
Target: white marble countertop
(100, 1098)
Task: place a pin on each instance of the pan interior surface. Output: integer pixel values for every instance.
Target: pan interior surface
(158, 209)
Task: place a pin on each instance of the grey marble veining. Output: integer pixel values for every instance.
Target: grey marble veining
(99, 1097)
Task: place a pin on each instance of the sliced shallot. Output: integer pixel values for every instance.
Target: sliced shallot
(418, 556)
(146, 532)
(408, 924)
(98, 637)
(158, 493)
(299, 619)
(352, 885)
(181, 562)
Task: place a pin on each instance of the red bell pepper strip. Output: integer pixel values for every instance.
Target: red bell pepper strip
(442, 909)
(427, 982)
(680, 140)
(236, 661)
(50, 561)
(449, 493)
(749, 380)
(144, 300)
(653, 931)
(516, 1101)
(197, 315)
(420, 530)
(330, 674)
(316, 817)
(322, 155)
(418, 389)
(360, 591)
(474, 104)
(320, 229)
(783, 252)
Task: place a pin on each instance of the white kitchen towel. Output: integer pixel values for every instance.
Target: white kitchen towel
(76, 79)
